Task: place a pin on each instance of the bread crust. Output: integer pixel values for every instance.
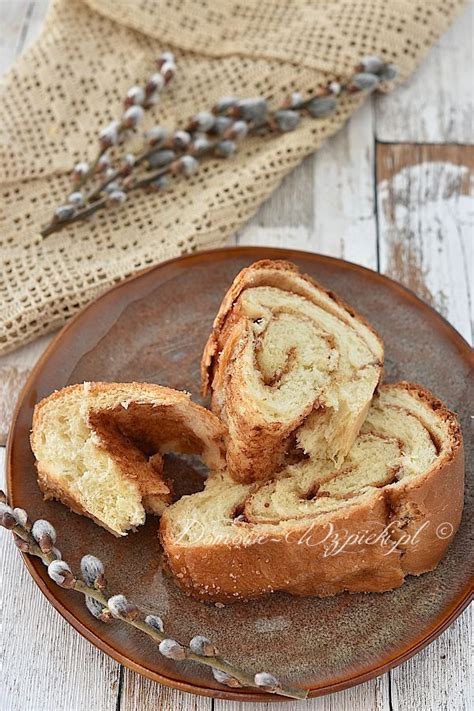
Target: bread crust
(51, 489)
(121, 417)
(258, 446)
(250, 278)
(437, 497)
(300, 563)
(420, 517)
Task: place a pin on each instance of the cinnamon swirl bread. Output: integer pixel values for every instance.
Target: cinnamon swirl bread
(389, 510)
(99, 448)
(291, 368)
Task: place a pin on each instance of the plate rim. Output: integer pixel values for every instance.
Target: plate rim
(37, 571)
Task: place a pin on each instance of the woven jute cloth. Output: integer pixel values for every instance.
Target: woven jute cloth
(71, 83)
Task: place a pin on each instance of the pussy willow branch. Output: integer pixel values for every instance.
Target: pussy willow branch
(87, 175)
(119, 173)
(137, 101)
(38, 540)
(77, 217)
(101, 202)
(252, 117)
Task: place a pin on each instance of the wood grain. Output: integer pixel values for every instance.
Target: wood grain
(338, 182)
(373, 696)
(436, 104)
(34, 21)
(425, 203)
(150, 696)
(437, 679)
(425, 198)
(13, 20)
(21, 22)
(344, 193)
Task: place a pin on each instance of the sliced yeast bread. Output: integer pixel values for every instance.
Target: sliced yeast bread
(390, 510)
(99, 448)
(291, 368)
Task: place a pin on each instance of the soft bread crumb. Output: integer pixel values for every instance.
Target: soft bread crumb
(99, 456)
(288, 365)
(408, 449)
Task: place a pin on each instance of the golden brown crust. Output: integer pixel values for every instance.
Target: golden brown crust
(258, 446)
(305, 562)
(370, 545)
(134, 423)
(249, 278)
(433, 505)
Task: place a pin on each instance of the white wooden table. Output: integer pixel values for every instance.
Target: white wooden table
(392, 191)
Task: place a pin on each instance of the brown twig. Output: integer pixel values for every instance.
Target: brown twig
(121, 173)
(101, 203)
(77, 217)
(89, 173)
(137, 101)
(252, 114)
(38, 541)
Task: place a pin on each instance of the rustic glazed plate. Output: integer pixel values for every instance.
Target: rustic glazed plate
(153, 328)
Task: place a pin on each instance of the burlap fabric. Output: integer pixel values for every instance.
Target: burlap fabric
(71, 83)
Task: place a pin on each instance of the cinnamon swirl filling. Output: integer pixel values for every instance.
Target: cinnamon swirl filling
(286, 363)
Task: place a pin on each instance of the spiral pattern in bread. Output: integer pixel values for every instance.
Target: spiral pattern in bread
(291, 368)
(318, 530)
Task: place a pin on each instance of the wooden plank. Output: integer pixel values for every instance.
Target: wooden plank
(35, 19)
(436, 104)
(371, 696)
(47, 666)
(142, 694)
(425, 224)
(21, 22)
(280, 222)
(344, 193)
(438, 677)
(13, 14)
(327, 204)
(425, 238)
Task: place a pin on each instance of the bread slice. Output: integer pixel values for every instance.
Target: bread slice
(390, 510)
(99, 448)
(292, 370)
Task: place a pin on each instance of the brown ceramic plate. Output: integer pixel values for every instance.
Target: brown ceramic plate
(153, 328)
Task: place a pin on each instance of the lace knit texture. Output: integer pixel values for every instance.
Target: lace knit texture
(72, 81)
